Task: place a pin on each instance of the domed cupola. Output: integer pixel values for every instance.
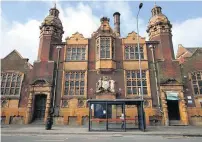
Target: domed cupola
(51, 31)
(158, 23)
(52, 24)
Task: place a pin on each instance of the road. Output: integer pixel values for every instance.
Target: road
(97, 138)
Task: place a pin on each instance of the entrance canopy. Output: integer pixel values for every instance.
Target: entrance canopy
(107, 113)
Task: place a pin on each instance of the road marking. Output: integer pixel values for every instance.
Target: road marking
(49, 140)
(174, 137)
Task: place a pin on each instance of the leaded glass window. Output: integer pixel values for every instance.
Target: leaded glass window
(133, 82)
(11, 83)
(131, 52)
(105, 47)
(74, 83)
(76, 53)
(197, 83)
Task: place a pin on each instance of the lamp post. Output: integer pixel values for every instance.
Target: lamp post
(49, 121)
(142, 120)
(152, 47)
(138, 44)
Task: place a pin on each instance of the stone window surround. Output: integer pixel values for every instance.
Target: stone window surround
(18, 87)
(79, 80)
(131, 80)
(198, 77)
(81, 54)
(135, 52)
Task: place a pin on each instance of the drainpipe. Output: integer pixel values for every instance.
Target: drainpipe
(56, 76)
(156, 80)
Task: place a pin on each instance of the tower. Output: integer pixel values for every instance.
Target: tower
(51, 31)
(159, 29)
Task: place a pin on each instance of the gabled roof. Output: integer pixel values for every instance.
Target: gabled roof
(186, 51)
(192, 50)
(14, 53)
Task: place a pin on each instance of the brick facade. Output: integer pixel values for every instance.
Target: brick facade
(48, 75)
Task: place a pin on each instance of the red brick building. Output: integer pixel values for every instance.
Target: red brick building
(104, 66)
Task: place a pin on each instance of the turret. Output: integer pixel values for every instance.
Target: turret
(159, 29)
(51, 31)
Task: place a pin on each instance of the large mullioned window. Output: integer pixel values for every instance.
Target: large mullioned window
(11, 83)
(74, 83)
(197, 83)
(131, 52)
(104, 49)
(76, 53)
(133, 82)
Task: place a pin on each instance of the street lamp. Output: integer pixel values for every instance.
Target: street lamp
(49, 121)
(138, 44)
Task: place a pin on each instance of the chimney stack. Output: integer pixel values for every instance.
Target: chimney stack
(117, 23)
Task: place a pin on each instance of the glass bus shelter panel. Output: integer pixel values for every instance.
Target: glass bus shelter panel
(98, 116)
(115, 122)
(141, 118)
(132, 118)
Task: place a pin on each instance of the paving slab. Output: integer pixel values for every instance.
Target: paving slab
(63, 130)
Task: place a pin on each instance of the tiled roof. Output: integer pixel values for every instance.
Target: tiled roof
(192, 50)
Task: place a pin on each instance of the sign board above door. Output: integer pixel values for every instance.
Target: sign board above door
(172, 95)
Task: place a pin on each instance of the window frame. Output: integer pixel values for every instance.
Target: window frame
(135, 52)
(73, 54)
(12, 80)
(195, 85)
(107, 51)
(75, 88)
(134, 80)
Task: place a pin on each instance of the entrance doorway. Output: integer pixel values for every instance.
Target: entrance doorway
(40, 107)
(173, 110)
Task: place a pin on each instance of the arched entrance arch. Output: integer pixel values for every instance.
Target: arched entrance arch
(39, 101)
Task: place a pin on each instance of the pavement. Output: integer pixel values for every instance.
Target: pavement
(191, 131)
(97, 138)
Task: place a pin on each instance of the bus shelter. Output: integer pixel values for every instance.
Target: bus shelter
(110, 115)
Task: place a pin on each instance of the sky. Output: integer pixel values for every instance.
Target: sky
(20, 21)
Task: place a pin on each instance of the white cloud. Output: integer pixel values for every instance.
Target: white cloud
(78, 19)
(188, 33)
(128, 17)
(23, 37)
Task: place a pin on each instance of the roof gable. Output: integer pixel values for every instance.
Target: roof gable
(14, 55)
(182, 51)
(197, 52)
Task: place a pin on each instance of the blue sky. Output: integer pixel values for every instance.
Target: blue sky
(23, 11)
(22, 18)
